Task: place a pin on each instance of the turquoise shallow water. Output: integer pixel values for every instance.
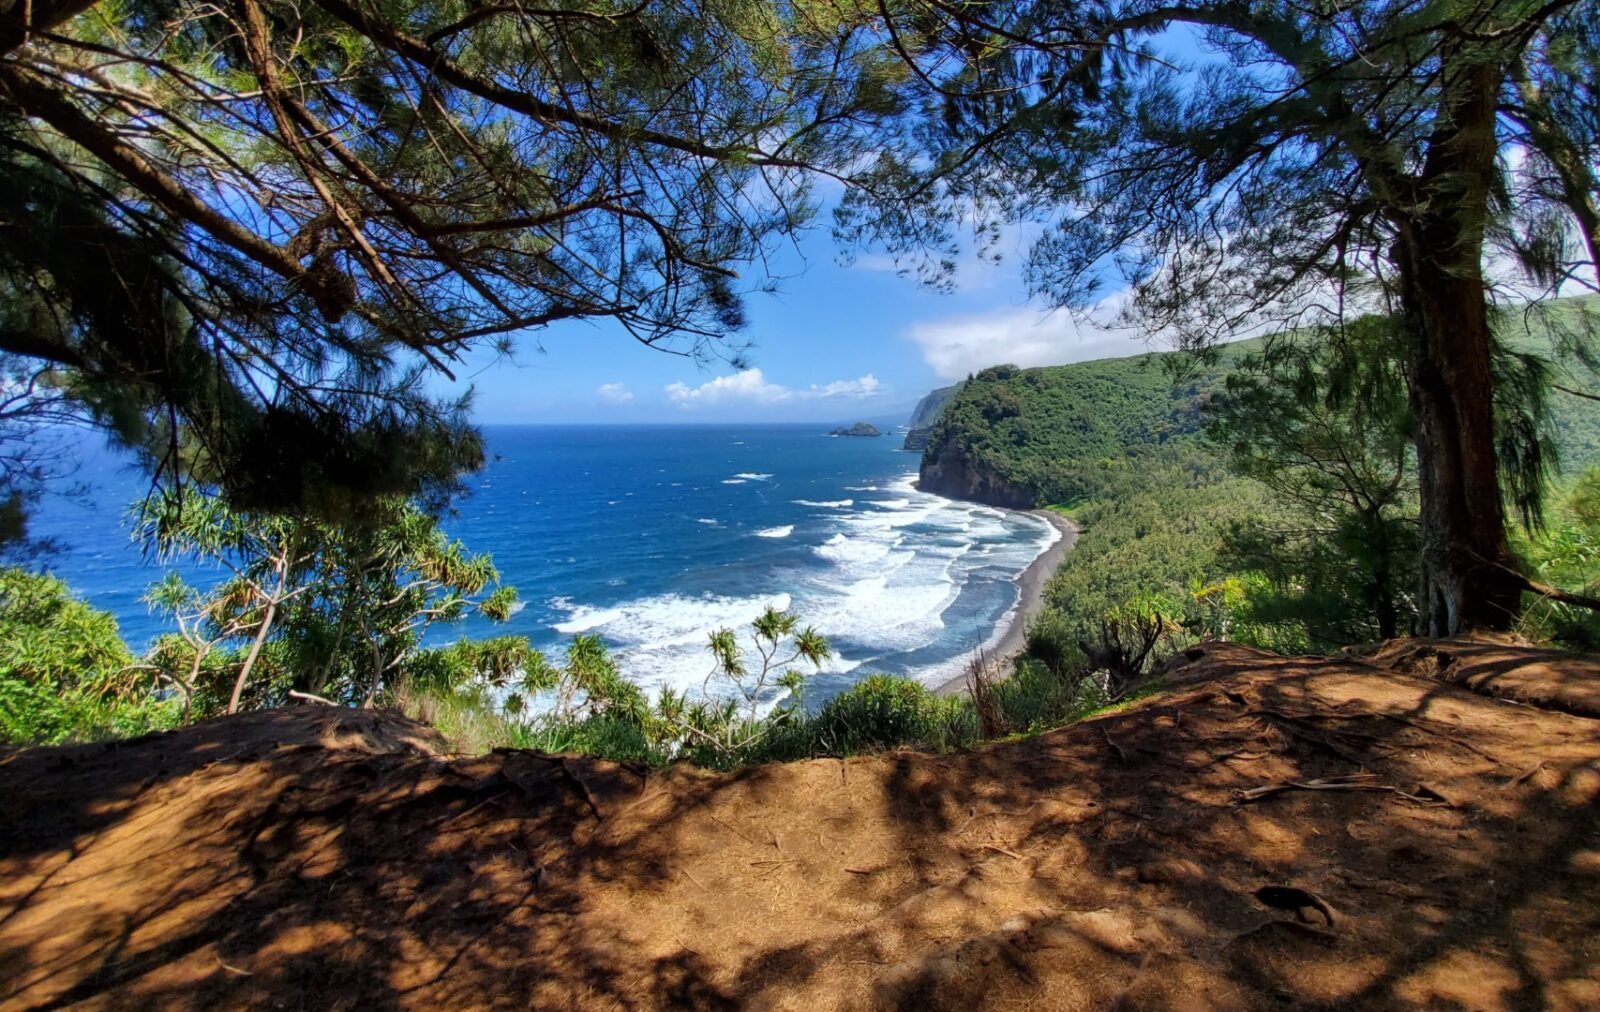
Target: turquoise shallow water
(653, 536)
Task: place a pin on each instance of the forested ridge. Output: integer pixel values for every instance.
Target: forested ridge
(1252, 495)
(1050, 429)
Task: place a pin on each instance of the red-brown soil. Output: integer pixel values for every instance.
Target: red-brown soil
(336, 859)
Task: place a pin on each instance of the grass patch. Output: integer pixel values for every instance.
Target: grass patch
(1073, 509)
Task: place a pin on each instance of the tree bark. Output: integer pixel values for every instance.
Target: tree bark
(21, 18)
(1468, 577)
(261, 637)
(1383, 586)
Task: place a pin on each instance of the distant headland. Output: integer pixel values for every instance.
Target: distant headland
(858, 429)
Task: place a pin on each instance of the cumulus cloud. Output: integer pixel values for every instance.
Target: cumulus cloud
(614, 393)
(750, 386)
(957, 345)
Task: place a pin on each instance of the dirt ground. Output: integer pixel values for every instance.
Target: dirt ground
(1359, 832)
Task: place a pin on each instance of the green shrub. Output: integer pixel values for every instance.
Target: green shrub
(880, 711)
(36, 714)
(614, 736)
(65, 674)
(1038, 697)
(48, 637)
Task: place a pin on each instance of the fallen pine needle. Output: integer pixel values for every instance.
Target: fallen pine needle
(233, 969)
(1355, 782)
(452, 820)
(1002, 850)
(1522, 777)
(690, 876)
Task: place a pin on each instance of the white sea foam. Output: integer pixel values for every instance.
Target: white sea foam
(893, 611)
(753, 476)
(660, 642)
(585, 618)
(845, 551)
(891, 574)
(900, 564)
(734, 481)
(861, 488)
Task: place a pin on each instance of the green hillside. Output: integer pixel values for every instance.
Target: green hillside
(1049, 430)
(1169, 528)
(1548, 332)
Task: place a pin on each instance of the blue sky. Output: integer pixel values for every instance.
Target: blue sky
(835, 343)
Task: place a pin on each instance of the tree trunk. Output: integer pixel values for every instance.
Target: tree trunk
(194, 679)
(1468, 578)
(1383, 587)
(282, 568)
(250, 658)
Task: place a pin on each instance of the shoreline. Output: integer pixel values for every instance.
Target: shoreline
(1030, 599)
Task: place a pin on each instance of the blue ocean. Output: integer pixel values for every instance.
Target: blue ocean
(651, 537)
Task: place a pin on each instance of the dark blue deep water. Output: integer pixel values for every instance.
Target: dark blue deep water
(653, 536)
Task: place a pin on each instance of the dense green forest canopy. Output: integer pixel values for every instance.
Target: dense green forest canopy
(1047, 429)
(1053, 429)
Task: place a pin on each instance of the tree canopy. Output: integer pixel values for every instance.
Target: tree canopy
(242, 236)
(1298, 163)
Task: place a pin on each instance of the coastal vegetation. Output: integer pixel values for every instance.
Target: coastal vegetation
(311, 209)
(1269, 493)
(66, 675)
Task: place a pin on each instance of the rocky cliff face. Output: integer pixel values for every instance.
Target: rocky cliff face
(947, 470)
(921, 422)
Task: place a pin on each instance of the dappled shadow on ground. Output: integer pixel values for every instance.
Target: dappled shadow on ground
(1268, 830)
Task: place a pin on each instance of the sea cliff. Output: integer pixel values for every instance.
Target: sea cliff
(920, 426)
(949, 470)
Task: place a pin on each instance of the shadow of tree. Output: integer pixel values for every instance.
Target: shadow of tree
(337, 859)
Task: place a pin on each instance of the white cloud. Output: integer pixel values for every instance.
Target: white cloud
(958, 345)
(751, 386)
(877, 263)
(614, 393)
(989, 261)
(856, 389)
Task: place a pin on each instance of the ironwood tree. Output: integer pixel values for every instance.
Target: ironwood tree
(1322, 422)
(1253, 163)
(243, 236)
